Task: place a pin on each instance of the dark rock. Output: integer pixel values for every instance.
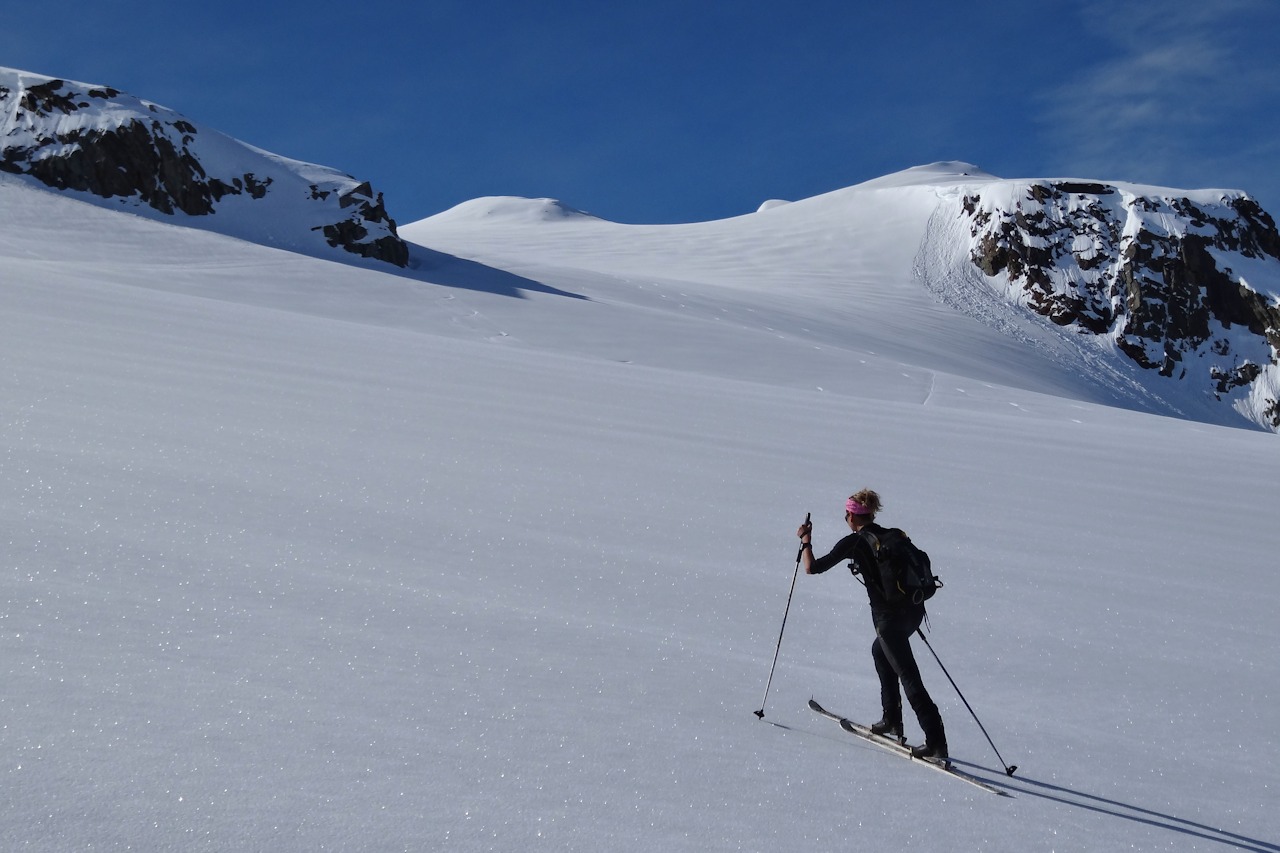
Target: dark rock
(153, 158)
(1071, 250)
(1083, 188)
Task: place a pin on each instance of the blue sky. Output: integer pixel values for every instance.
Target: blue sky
(663, 111)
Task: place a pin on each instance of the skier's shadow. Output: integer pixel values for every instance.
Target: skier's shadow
(1124, 811)
(1023, 785)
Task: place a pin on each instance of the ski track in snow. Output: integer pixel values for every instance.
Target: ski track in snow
(959, 284)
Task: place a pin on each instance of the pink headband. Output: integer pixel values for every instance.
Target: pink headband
(856, 508)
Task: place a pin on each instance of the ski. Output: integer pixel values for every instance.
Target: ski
(901, 749)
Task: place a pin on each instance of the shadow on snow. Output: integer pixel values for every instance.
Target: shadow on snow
(1025, 786)
(1115, 808)
(447, 270)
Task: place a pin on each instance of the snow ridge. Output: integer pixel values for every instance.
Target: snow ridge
(1163, 300)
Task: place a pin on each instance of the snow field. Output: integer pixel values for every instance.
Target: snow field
(299, 561)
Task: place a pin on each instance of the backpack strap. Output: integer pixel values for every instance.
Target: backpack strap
(874, 545)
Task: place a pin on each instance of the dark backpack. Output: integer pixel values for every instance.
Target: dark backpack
(906, 573)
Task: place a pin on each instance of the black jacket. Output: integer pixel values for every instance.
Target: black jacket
(862, 561)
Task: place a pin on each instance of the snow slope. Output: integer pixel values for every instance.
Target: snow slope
(493, 555)
(849, 266)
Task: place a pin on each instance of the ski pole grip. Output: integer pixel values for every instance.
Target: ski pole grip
(800, 553)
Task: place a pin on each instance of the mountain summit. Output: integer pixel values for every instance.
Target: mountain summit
(149, 159)
(1158, 299)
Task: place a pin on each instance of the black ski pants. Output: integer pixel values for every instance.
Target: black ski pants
(896, 666)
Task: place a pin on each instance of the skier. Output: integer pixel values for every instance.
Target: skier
(894, 624)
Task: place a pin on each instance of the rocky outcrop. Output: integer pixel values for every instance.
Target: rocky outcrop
(1161, 275)
(353, 233)
(97, 140)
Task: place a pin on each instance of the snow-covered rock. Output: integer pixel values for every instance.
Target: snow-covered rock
(1186, 284)
(105, 144)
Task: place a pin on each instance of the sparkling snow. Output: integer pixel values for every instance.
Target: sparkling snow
(493, 555)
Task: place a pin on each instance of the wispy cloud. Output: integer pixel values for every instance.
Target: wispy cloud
(1173, 90)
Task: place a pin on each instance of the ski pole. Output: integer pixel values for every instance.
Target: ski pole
(1009, 769)
(769, 683)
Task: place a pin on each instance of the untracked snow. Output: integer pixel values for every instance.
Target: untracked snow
(493, 554)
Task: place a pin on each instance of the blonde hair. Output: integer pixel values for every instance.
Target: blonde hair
(869, 499)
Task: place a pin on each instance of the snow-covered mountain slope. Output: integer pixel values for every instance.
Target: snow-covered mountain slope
(138, 156)
(792, 296)
(308, 556)
(1186, 285)
(1156, 299)
(941, 262)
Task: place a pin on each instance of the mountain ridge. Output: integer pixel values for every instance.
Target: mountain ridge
(1170, 297)
(1189, 277)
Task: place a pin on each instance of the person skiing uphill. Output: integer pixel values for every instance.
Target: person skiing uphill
(894, 625)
